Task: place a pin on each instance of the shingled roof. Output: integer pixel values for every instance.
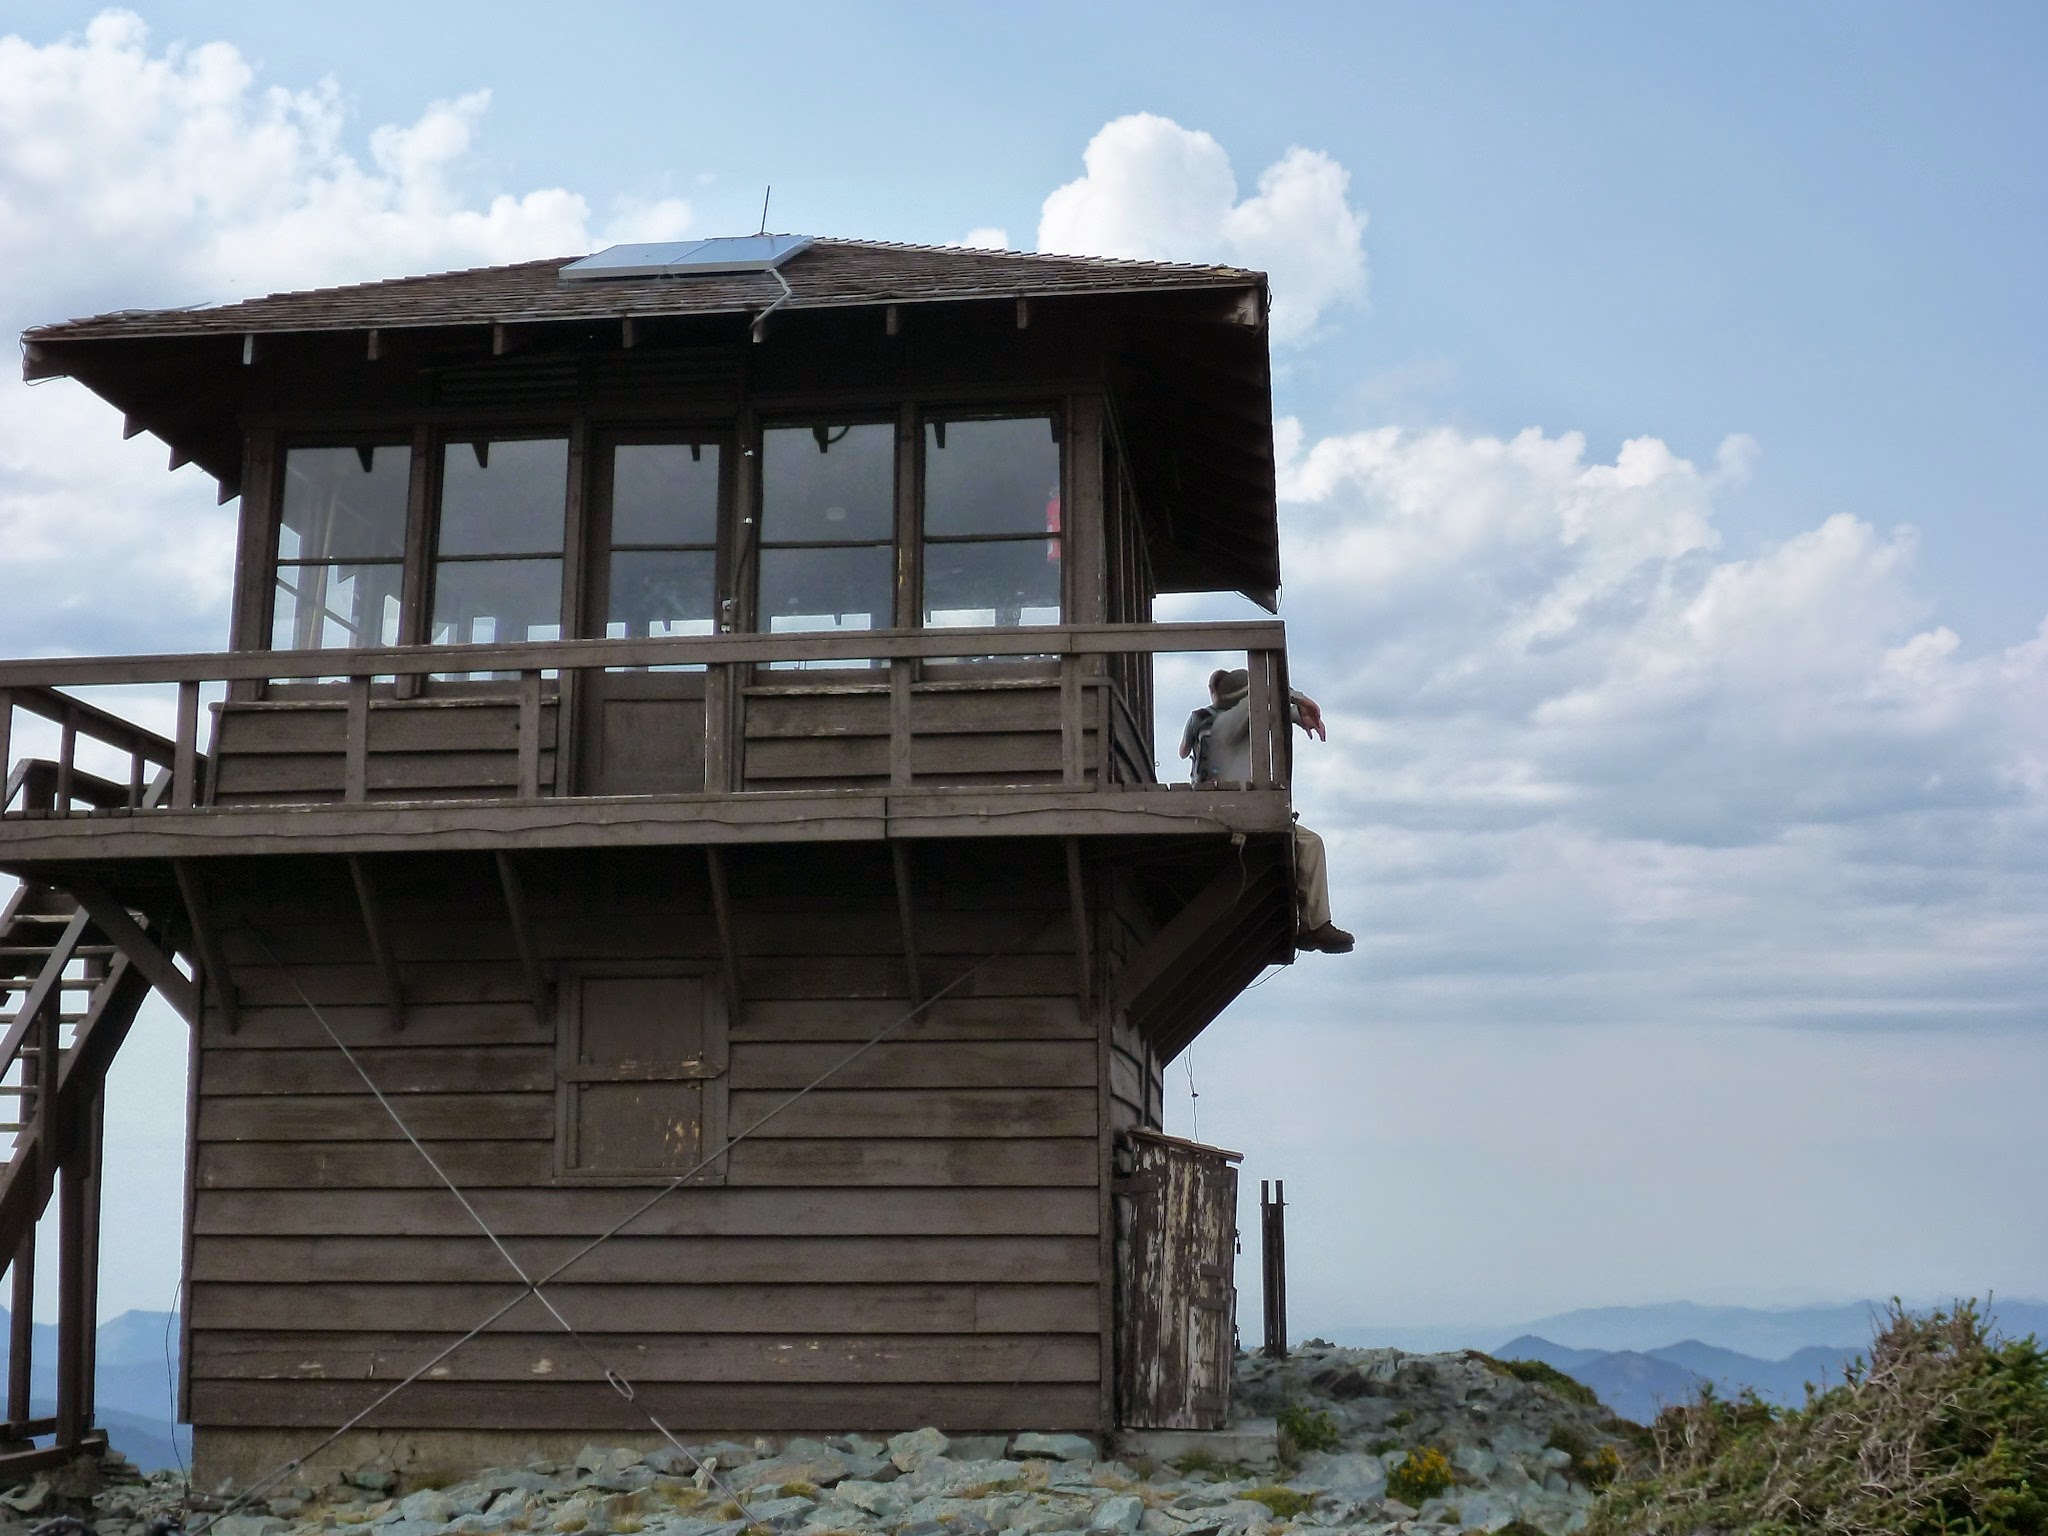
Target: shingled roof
(828, 274)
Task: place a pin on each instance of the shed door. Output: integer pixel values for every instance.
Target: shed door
(654, 569)
(1176, 1296)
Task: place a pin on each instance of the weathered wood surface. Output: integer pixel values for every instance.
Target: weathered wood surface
(1176, 1237)
(694, 1409)
(925, 1219)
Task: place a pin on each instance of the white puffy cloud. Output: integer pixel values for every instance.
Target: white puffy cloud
(985, 238)
(1153, 189)
(136, 176)
(1589, 765)
(132, 176)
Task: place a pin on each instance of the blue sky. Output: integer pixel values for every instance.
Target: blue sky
(1661, 527)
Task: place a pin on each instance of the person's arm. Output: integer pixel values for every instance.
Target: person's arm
(1308, 714)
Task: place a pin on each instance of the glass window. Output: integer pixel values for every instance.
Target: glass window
(498, 549)
(992, 522)
(340, 547)
(828, 508)
(662, 570)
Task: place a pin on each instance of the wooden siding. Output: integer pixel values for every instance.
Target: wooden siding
(295, 752)
(917, 1240)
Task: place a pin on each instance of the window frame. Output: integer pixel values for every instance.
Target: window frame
(712, 1070)
(1054, 414)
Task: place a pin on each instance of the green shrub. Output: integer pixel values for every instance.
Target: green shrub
(1284, 1502)
(1307, 1429)
(1944, 1433)
(1540, 1374)
(1421, 1475)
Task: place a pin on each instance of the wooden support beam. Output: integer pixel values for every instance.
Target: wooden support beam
(728, 951)
(1077, 903)
(906, 912)
(892, 320)
(1023, 314)
(1073, 723)
(213, 960)
(21, 1320)
(375, 349)
(248, 349)
(522, 936)
(380, 944)
(628, 336)
(113, 919)
(1169, 947)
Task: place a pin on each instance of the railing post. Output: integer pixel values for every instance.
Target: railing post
(1257, 664)
(529, 734)
(136, 775)
(67, 753)
(720, 691)
(899, 721)
(355, 773)
(185, 760)
(1072, 725)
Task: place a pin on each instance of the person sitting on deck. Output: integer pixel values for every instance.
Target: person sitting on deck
(1218, 738)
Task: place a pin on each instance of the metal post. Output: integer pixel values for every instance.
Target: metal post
(1273, 1266)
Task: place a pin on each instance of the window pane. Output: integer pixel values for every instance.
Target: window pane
(828, 484)
(664, 493)
(482, 602)
(504, 498)
(806, 589)
(1006, 582)
(335, 607)
(991, 476)
(660, 592)
(338, 507)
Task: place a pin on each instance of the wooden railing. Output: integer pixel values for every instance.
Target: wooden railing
(58, 785)
(526, 686)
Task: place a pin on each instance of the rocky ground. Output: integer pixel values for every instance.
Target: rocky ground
(1372, 1441)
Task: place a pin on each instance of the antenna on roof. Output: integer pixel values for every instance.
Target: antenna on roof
(770, 192)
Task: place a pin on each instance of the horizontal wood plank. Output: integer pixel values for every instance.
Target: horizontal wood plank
(630, 1308)
(798, 1359)
(429, 1116)
(916, 1064)
(913, 1164)
(404, 1070)
(979, 1112)
(688, 1260)
(691, 1211)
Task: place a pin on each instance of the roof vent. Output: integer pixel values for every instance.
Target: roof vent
(676, 258)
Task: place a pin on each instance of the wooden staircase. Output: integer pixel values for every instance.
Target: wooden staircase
(68, 996)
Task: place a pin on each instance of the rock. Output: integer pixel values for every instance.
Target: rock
(1394, 1509)
(1120, 1514)
(914, 1448)
(504, 1480)
(429, 1507)
(977, 1447)
(941, 1477)
(287, 1508)
(880, 1499)
(1053, 1447)
(815, 1464)
(374, 1479)
(31, 1499)
(247, 1525)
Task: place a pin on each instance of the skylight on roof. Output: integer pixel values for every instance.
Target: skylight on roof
(675, 258)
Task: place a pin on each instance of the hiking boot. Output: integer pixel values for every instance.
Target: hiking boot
(1328, 939)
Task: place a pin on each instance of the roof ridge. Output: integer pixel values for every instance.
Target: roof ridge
(983, 250)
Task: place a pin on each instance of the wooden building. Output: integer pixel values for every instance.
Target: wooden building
(686, 727)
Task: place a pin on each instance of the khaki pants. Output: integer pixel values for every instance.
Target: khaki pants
(1311, 880)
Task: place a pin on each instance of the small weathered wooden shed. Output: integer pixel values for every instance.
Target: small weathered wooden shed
(686, 739)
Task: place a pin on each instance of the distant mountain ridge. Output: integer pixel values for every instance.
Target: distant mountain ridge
(1639, 1359)
(1762, 1333)
(134, 1384)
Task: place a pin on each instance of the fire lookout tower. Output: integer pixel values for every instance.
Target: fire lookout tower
(687, 738)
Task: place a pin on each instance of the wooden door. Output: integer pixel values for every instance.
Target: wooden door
(655, 568)
(1176, 1300)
